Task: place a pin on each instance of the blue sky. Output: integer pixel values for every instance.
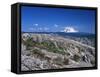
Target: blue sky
(41, 19)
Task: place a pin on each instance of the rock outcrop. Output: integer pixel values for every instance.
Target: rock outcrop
(46, 51)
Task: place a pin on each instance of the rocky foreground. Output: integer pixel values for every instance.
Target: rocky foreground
(47, 51)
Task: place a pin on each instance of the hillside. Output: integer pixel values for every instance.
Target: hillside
(53, 51)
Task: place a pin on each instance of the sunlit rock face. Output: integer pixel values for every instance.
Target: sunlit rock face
(53, 51)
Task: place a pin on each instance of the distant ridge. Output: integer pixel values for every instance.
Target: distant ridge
(75, 34)
(62, 32)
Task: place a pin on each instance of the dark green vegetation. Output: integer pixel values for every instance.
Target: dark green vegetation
(76, 58)
(48, 45)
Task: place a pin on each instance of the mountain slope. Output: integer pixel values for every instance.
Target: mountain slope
(50, 51)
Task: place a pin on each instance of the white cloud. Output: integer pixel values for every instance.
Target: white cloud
(31, 29)
(39, 28)
(45, 28)
(55, 25)
(35, 24)
(69, 29)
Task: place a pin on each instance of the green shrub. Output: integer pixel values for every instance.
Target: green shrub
(76, 57)
(44, 45)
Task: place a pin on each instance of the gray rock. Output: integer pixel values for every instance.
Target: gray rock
(76, 53)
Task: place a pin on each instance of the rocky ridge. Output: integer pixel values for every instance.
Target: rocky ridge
(46, 51)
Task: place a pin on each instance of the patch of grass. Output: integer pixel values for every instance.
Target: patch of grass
(35, 51)
(43, 45)
(76, 58)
